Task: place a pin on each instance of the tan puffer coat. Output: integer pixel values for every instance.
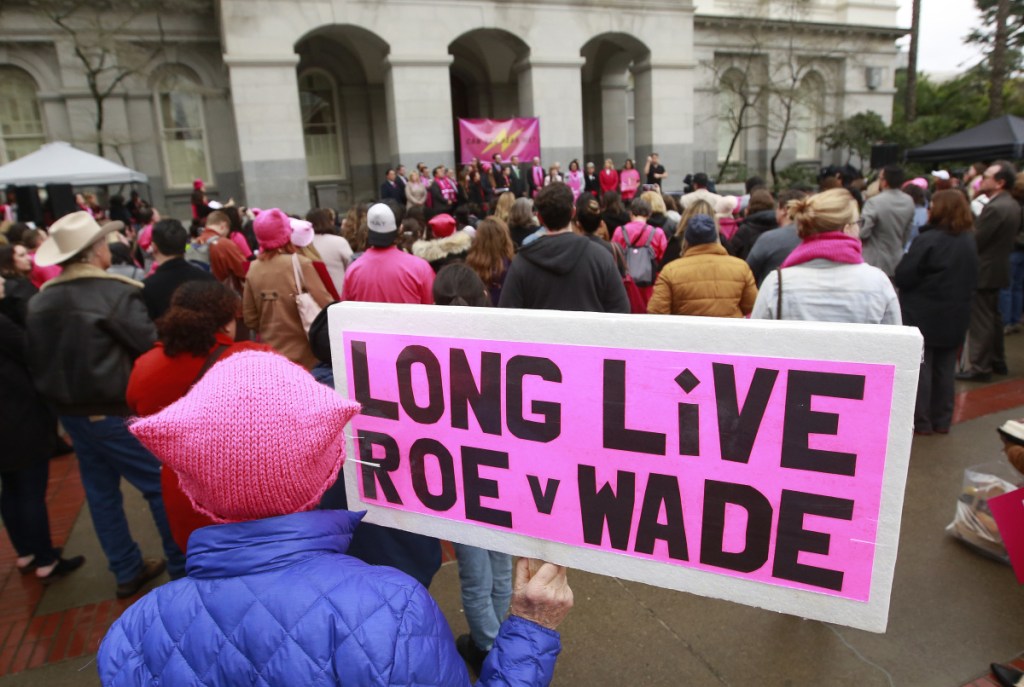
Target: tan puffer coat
(706, 281)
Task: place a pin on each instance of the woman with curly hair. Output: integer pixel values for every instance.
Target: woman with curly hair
(491, 254)
(195, 332)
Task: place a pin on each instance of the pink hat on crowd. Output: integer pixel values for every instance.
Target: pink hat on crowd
(256, 437)
(442, 226)
(920, 182)
(302, 232)
(197, 184)
(273, 229)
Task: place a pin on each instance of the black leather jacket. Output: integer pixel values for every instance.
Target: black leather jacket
(85, 330)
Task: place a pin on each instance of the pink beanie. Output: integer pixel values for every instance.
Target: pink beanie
(256, 437)
(273, 229)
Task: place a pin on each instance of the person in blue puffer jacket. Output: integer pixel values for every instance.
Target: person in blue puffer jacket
(270, 597)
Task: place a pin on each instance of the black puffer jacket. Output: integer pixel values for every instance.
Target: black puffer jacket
(749, 230)
(85, 330)
(564, 272)
(28, 426)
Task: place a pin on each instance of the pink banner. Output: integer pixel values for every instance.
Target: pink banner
(1008, 510)
(767, 469)
(482, 138)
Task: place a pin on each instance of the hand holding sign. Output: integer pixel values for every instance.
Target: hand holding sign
(716, 458)
(541, 593)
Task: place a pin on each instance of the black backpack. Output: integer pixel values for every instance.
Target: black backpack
(641, 265)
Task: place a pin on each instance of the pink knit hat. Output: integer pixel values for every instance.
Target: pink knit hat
(273, 229)
(256, 437)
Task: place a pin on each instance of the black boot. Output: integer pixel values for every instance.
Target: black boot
(471, 653)
(1008, 676)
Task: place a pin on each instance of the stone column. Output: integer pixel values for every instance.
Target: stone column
(551, 89)
(664, 117)
(419, 104)
(268, 118)
(615, 118)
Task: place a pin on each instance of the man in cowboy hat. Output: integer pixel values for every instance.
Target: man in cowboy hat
(85, 329)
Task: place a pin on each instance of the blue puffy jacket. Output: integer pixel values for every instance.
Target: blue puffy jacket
(276, 602)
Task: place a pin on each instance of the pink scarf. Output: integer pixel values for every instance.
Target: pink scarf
(830, 245)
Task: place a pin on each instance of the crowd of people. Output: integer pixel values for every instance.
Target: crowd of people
(215, 336)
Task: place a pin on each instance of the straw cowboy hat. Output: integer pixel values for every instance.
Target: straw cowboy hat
(70, 235)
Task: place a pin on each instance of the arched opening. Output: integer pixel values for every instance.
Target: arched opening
(22, 130)
(342, 96)
(485, 75)
(181, 118)
(809, 115)
(617, 98)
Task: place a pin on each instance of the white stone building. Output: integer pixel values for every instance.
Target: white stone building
(294, 102)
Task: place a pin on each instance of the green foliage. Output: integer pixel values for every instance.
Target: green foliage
(943, 109)
(855, 135)
(798, 175)
(986, 33)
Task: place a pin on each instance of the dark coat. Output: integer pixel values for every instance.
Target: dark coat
(27, 424)
(997, 233)
(85, 330)
(749, 230)
(564, 272)
(160, 286)
(936, 279)
(394, 191)
(438, 205)
(591, 184)
(19, 290)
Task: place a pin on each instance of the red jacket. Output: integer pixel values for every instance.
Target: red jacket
(609, 180)
(158, 380)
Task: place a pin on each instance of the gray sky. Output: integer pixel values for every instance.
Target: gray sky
(944, 23)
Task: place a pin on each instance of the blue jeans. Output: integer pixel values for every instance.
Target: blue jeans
(1011, 300)
(106, 452)
(486, 580)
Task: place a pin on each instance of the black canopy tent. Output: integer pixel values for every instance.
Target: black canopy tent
(1002, 137)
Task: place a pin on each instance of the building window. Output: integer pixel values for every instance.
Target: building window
(809, 111)
(321, 126)
(733, 116)
(179, 104)
(21, 126)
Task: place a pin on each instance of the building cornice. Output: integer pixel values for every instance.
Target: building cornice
(715, 21)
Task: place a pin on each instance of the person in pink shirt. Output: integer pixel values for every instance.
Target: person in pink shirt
(385, 274)
(608, 178)
(629, 181)
(38, 275)
(636, 233)
(574, 179)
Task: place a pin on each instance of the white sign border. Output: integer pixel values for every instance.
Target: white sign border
(877, 344)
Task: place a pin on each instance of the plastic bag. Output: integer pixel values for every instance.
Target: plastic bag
(973, 523)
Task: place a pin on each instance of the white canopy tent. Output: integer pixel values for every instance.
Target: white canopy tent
(62, 163)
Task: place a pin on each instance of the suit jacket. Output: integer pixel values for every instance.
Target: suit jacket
(392, 191)
(885, 228)
(518, 187)
(996, 235)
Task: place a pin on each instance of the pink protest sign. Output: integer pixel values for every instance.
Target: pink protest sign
(1008, 510)
(754, 461)
(482, 138)
(762, 468)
